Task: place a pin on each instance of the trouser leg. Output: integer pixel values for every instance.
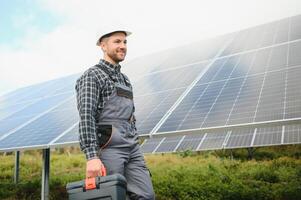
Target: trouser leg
(114, 160)
(139, 183)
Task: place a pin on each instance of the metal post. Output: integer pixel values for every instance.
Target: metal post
(45, 174)
(251, 151)
(17, 166)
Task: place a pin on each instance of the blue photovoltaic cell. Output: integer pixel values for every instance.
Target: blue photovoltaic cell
(219, 113)
(282, 31)
(167, 80)
(169, 144)
(269, 35)
(9, 110)
(294, 54)
(271, 102)
(66, 85)
(177, 57)
(213, 140)
(259, 64)
(268, 136)
(150, 145)
(23, 116)
(41, 131)
(198, 113)
(16, 96)
(8, 125)
(240, 138)
(183, 111)
(38, 91)
(263, 36)
(41, 105)
(293, 94)
(22, 95)
(70, 136)
(151, 108)
(292, 134)
(295, 32)
(190, 142)
(192, 53)
(244, 108)
(278, 58)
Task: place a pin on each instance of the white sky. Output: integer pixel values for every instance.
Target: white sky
(156, 25)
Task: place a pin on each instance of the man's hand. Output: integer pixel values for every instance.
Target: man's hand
(95, 168)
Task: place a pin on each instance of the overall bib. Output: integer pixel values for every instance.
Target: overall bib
(120, 152)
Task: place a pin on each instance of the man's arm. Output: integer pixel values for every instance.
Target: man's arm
(87, 94)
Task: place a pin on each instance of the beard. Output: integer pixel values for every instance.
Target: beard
(116, 57)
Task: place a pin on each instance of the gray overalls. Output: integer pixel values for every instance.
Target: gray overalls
(121, 153)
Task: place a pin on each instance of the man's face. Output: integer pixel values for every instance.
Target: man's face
(114, 47)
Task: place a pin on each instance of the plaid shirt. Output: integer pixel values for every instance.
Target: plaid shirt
(92, 92)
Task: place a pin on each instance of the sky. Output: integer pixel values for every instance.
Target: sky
(47, 39)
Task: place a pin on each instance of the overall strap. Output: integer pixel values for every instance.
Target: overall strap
(110, 74)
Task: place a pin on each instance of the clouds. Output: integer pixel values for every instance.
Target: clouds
(69, 45)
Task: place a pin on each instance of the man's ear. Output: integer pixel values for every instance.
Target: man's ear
(103, 44)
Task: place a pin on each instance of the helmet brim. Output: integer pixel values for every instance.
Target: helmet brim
(127, 33)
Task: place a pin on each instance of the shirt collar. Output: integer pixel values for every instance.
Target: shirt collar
(109, 65)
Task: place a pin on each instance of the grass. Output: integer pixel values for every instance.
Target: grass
(273, 173)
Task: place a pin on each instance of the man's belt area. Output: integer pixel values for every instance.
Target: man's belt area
(104, 132)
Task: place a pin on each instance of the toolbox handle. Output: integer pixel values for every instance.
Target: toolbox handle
(90, 183)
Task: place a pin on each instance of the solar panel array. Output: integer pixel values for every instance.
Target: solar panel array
(225, 139)
(233, 91)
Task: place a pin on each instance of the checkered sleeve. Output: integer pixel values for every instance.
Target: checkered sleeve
(87, 94)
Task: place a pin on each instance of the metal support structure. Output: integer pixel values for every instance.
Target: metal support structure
(231, 154)
(251, 150)
(17, 166)
(45, 174)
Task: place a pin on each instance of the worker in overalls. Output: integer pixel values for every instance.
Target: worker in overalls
(107, 131)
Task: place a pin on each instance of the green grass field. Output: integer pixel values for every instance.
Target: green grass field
(273, 173)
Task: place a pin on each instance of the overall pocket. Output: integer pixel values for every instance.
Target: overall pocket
(104, 135)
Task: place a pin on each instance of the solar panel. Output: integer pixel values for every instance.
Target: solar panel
(151, 108)
(214, 140)
(190, 142)
(69, 137)
(150, 145)
(240, 138)
(295, 32)
(12, 98)
(38, 91)
(9, 110)
(168, 79)
(271, 102)
(265, 136)
(259, 37)
(234, 96)
(292, 134)
(293, 93)
(294, 54)
(35, 132)
(29, 113)
(169, 144)
(219, 93)
(282, 31)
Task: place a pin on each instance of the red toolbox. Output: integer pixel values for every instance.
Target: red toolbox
(111, 187)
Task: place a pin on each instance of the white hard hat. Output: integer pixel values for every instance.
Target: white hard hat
(106, 32)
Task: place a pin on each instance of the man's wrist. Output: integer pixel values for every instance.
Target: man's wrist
(91, 153)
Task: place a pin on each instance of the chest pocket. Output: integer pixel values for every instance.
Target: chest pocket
(124, 91)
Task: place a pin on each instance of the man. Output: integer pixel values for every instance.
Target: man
(107, 131)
